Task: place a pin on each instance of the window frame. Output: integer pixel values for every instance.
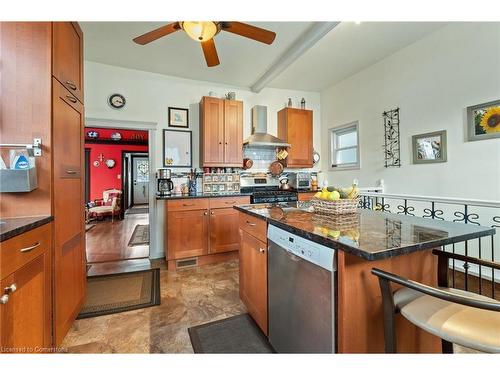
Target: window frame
(333, 134)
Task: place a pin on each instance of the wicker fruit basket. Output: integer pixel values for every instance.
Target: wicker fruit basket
(337, 207)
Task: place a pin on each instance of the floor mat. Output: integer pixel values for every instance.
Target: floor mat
(116, 293)
(137, 210)
(237, 334)
(140, 236)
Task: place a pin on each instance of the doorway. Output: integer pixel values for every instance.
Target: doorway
(117, 176)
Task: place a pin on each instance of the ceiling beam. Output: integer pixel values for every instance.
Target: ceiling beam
(308, 39)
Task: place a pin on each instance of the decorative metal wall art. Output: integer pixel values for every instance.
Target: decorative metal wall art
(392, 150)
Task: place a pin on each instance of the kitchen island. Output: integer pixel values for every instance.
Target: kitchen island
(368, 239)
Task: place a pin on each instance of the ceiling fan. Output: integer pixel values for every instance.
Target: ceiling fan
(204, 33)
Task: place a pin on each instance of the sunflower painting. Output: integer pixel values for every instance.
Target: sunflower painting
(484, 121)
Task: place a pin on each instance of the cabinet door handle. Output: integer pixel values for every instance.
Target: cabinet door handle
(261, 250)
(10, 289)
(205, 213)
(251, 224)
(4, 299)
(26, 249)
(211, 212)
(70, 171)
(71, 85)
(71, 99)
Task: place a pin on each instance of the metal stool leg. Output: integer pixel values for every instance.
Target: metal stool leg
(389, 316)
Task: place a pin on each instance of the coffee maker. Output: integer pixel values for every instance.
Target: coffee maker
(165, 184)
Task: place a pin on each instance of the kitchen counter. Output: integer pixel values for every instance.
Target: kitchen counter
(203, 195)
(371, 235)
(14, 226)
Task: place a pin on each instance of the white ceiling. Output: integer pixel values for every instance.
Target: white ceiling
(348, 49)
(242, 60)
(344, 51)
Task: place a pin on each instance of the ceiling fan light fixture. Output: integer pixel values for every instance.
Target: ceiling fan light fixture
(200, 31)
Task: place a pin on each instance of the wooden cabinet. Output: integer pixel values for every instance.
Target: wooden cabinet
(295, 126)
(187, 233)
(69, 231)
(25, 289)
(221, 132)
(42, 78)
(67, 56)
(202, 226)
(253, 277)
(224, 230)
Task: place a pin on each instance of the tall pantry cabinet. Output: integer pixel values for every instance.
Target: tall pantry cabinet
(42, 96)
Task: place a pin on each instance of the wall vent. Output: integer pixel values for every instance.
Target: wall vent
(184, 263)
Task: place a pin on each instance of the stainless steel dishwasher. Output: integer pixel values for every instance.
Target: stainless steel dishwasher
(301, 276)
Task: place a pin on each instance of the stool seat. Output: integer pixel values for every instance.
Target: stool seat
(463, 325)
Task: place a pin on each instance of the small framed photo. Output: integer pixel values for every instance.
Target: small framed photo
(178, 117)
(483, 121)
(429, 147)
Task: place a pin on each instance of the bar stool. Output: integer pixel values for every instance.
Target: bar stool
(456, 316)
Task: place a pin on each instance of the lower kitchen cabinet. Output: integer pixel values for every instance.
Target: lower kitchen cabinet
(224, 230)
(253, 277)
(202, 226)
(187, 233)
(26, 297)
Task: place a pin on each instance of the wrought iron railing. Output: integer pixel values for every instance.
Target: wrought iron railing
(463, 275)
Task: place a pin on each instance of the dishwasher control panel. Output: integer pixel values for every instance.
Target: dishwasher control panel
(303, 248)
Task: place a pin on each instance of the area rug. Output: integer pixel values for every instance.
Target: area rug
(111, 294)
(137, 210)
(140, 236)
(237, 334)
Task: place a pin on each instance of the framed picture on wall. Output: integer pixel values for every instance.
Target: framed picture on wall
(483, 121)
(177, 149)
(178, 117)
(429, 147)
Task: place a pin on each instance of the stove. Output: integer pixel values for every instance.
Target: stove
(264, 188)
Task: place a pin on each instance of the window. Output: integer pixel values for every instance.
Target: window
(344, 147)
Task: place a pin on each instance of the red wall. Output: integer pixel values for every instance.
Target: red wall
(102, 177)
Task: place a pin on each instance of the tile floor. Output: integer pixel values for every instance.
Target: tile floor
(189, 297)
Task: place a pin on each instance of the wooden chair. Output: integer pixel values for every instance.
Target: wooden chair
(456, 316)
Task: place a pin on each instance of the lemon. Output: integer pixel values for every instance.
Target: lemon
(334, 233)
(334, 195)
(317, 195)
(325, 194)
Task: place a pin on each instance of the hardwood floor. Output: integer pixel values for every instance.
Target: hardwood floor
(108, 241)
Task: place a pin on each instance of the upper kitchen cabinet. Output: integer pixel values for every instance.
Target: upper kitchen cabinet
(295, 126)
(221, 132)
(67, 56)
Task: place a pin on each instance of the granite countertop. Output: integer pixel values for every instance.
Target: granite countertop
(369, 234)
(203, 195)
(14, 226)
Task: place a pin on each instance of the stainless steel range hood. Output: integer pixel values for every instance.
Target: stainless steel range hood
(260, 137)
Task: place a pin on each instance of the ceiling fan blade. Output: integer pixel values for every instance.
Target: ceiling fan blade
(249, 31)
(210, 52)
(157, 33)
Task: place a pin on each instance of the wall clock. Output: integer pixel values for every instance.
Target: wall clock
(110, 163)
(116, 101)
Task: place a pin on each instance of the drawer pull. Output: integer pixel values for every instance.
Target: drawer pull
(71, 85)
(188, 205)
(70, 171)
(71, 99)
(10, 289)
(251, 224)
(26, 249)
(233, 202)
(262, 251)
